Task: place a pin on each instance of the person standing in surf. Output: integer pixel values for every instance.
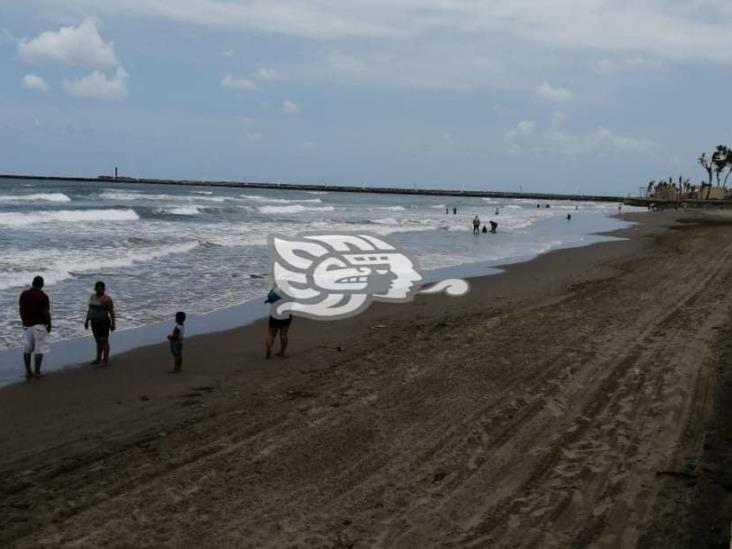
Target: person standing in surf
(35, 312)
(476, 225)
(101, 317)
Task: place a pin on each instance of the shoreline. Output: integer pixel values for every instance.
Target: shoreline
(543, 409)
(75, 350)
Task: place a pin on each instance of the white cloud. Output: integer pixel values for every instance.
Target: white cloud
(558, 119)
(35, 82)
(228, 53)
(603, 140)
(524, 127)
(265, 73)
(611, 66)
(289, 107)
(309, 145)
(253, 137)
(557, 94)
(98, 86)
(80, 45)
(526, 138)
(237, 83)
(515, 137)
(658, 28)
(448, 138)
(345, 63)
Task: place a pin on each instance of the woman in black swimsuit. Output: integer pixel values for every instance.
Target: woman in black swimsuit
(101, 317)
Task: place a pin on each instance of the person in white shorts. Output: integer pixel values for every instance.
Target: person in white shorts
(35, 312)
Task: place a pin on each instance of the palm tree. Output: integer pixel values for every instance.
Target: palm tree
(706, 163)
(720, 159)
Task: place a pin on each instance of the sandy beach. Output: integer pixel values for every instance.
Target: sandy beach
(580, 399)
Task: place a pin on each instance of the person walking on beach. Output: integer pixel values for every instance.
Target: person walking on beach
(176, 341)
(101, 316)
(454, 211)
(476, 225)
(35, 312)
(278, 323)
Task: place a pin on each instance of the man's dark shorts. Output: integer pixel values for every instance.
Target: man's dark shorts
(279, 322)
(100, 329)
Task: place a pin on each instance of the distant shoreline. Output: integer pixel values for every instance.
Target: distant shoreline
(332, 188)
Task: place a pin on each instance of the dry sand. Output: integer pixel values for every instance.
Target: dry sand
(581, 399)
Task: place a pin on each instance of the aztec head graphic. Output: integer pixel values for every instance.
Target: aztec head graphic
(331, 276)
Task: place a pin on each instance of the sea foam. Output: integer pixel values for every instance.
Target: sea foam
(15, 219)
(125, 196)
(295, 208)
(259, 198)
(183, 210)
(63, 267)
(43, 197)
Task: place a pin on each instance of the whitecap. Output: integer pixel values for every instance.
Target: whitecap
(386, 221)
(15, 219)
(57, 269)
(44, 197)
(124, 196)
(295, 208)
(259, 198)
(184, 210)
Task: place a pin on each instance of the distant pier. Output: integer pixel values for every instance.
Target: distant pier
(328, 188)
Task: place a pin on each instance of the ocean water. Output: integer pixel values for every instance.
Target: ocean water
(163, 248)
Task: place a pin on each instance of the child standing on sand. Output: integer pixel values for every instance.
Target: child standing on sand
(176, 341)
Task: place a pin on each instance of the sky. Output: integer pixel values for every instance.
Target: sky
(588, 96)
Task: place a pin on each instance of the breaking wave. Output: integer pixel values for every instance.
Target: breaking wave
(44, 197)
(14, 219)
(295, 208)
(259, 198)
(63, 268)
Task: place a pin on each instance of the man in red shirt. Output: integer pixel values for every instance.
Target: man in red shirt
(36, 316)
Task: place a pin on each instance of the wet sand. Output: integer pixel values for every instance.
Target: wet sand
(576, 400)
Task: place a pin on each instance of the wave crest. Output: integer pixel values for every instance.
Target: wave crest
(43, 197)
(294, 208)
(14, 219)
(260, 198)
